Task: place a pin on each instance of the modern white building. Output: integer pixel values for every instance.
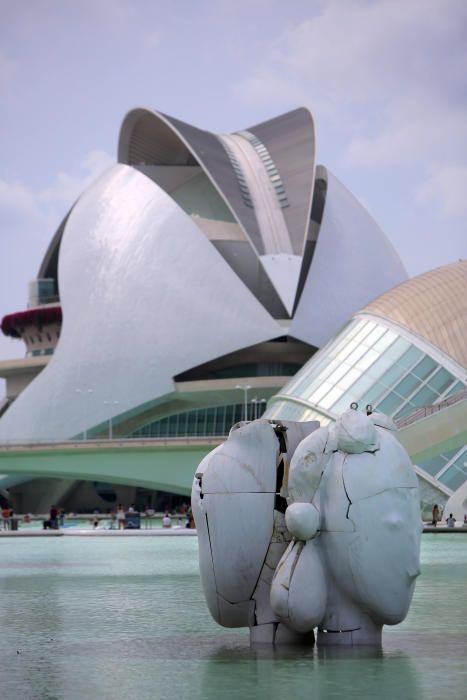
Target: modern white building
(196, 274)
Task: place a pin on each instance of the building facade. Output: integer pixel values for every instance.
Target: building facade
(188, 283)
(405, 350)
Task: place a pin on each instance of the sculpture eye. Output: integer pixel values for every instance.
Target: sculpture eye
(369, 409)
(354, 406)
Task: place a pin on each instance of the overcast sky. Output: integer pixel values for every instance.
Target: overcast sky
(386, 81)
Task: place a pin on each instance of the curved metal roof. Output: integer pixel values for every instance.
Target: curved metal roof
(432, 305)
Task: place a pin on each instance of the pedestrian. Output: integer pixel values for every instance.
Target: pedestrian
(6, 518)
(435, 515)
(451, 521)
(166, 520)
(121, 517)
(52, 522)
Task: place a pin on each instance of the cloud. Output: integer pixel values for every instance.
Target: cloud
(386, 81)
(421, 128)
(446, 189)
(24, 209)
(391, 75)
(65, 188)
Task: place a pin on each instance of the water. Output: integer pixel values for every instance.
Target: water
(125, 617)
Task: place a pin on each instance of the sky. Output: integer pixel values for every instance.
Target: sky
(386, 82)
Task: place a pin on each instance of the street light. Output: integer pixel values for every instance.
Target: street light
(254, 401)
(84, 392)
(258, 404)
(244, 388)
(111, 403)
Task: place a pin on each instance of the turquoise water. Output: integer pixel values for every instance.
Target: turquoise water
(125, 617)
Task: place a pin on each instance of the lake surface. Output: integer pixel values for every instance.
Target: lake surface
(125, 617)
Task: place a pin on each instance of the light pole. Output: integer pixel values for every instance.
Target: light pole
(254, 401)
(244, 388)
(84, 392)
(258, 407)
(111, 403)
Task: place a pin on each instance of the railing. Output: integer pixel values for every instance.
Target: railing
(114, 442)
(425, 411)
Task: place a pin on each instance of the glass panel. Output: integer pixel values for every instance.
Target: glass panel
(405, 411)
(397, 349)
(424, 397)
(358, 390)
(460, 460)
(367, 360)
(349, 379)
(453, 478)
(331, 398)
(365, 328)
(433, 466)
(425, 367)
(409, 357)
(441, 380)
(375, 334)
(356, 354)
(338, 373)
(345, 351)
(407, 385)
(320, 392)
(390, 403)
(392, 375)
(374, 394)
(384, 342)
(459, 386)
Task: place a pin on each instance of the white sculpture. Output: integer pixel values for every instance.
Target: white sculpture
(331, 543)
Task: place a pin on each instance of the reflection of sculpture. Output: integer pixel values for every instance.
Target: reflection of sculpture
(341, 553)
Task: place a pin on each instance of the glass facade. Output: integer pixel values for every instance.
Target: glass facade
(371, 364)
(201, 422)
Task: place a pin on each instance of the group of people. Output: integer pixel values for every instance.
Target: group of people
(450, 521)
(183, 520)
(121, 517)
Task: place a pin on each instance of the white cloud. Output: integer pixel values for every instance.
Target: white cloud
(386, 81)
(420, 129)
(390, 75)
(447, 190)
(24, 210)
(65, 188)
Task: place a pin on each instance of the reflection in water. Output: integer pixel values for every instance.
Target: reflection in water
(359, 672)
(99, 618)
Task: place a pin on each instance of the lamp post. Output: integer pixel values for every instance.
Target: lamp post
(85, 392)
(244, 388)
(258, 407)
(254, 401)
(111, 403)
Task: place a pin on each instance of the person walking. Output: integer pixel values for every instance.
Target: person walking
(435, 515)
